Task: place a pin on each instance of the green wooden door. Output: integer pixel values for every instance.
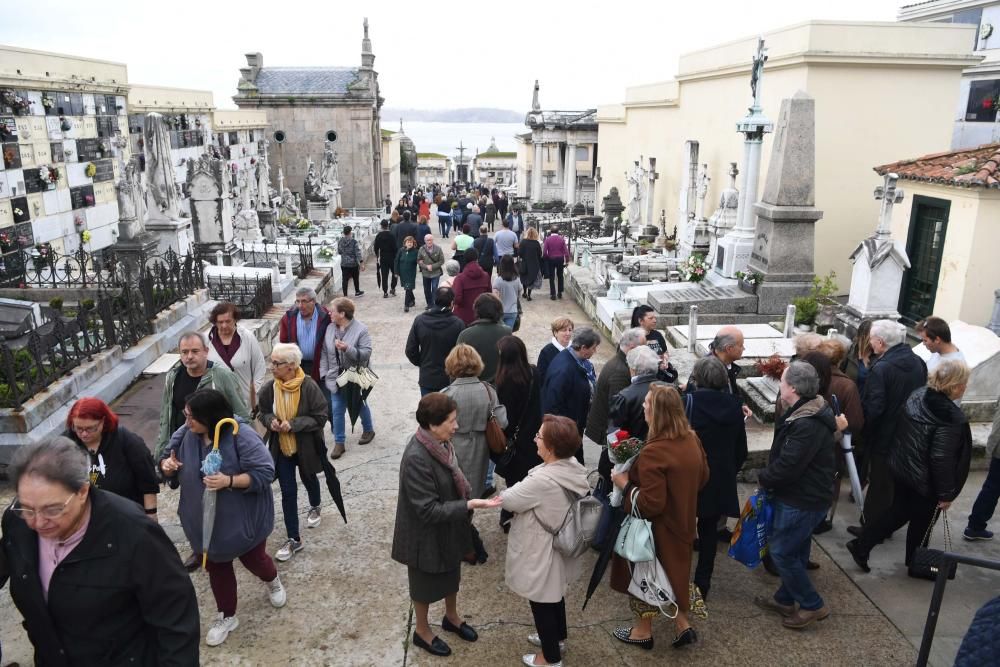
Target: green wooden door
(924, 247)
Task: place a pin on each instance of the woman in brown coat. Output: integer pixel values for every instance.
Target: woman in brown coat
(669, 472)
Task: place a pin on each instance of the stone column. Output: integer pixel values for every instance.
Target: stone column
(536, 172)
(650, 207)
(570, 174)
(994, 324)
(686, 196)
(597, 190)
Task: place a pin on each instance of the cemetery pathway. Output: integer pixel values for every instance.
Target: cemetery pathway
(348, 603)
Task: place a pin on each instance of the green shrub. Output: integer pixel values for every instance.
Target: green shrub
(56, 303)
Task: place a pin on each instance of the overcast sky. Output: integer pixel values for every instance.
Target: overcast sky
(429, 55)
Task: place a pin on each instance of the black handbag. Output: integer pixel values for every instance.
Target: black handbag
(503, 460)
(927, 562)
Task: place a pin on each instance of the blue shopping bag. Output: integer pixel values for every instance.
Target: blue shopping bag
(749, 543)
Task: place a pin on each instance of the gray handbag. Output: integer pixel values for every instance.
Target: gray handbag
(579, 526)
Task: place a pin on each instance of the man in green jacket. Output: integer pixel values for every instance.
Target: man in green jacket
(194, 372)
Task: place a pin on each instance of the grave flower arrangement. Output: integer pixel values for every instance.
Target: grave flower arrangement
(90, 169)
(5, 242)
(303, 224)
(751, 278)
(48, 102)
(49, 176)
(694, 268)
(85, 236)
(326, 252)
(8, 157)
(623, 451)
(88, 200)
(19, 104)
(772, 367)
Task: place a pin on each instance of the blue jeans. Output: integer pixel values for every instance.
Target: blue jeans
(338, 410)
(508, 319)
(286, 466)
(444, 222)
(986, 501)
(489, 473)
(789, 544)
(430, 286)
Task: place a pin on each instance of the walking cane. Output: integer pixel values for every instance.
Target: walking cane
(852, 467)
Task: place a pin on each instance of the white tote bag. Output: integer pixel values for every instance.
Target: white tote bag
(650, 584)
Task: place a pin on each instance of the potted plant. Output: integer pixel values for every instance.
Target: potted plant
(820, 296)
(64, 124)
(644, 246)
(56, 303)
(749, 280)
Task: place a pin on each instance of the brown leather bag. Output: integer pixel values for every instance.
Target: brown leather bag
(495, 437)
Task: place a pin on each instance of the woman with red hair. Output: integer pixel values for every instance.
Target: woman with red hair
(120, 462)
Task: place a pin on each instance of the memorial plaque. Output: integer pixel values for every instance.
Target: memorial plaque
(20, 204)
(86, 149)
(11, 156)
(24, 235)
(8, 128)
(33, 181)
(56, 149)
(63, 106)
(81, 197)
(76, 105)
(105, 170)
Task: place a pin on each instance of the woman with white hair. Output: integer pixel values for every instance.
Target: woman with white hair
(626, 411)
(451, 269)
(294, 411)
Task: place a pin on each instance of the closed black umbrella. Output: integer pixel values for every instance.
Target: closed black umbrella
(607, 549)
(333, 486)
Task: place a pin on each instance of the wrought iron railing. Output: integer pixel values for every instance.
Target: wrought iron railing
(253, 296)
(54, 349)
(264, 253)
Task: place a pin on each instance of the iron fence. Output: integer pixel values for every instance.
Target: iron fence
(264, 254)
(253, 296)
(56, 348)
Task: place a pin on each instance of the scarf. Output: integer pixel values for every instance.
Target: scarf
(286, 408)
(444, 453)
(226, 352)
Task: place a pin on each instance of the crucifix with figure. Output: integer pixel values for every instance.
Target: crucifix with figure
(757, 71)
(890, 196)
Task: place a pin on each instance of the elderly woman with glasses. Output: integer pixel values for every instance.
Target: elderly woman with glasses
(96, 582)
(244, 511)
(120, 461)
(294, 410)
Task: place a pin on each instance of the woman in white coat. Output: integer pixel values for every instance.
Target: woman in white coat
(535, 570)
(238, 349)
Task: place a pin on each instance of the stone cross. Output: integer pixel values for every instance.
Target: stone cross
(653, 175)
(890, 195)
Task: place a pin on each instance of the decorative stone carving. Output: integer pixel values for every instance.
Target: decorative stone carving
(311, 187)
(725, 215)
(161, 186)
(263, 176)
(247, 224)
(210, 206)
(636, 179)
(289, 206)
(612, 208)
(330, 179)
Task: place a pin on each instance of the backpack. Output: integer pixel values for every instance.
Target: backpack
(579, 526)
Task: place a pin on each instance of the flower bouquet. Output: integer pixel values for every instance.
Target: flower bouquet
(694, 268)
(622, 451)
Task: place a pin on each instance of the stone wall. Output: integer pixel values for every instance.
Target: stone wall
(305, 129)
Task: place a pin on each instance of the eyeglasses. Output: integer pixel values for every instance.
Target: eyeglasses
(538, 436)
(277, 364)
(50, 512)
(302, 301)
(87, 430)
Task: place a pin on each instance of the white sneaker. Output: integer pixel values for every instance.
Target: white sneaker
(535, 640)
(289, 549)
(313, 519)
(276, 592)
(221, 629)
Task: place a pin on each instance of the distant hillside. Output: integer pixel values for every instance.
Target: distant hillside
(478, 115)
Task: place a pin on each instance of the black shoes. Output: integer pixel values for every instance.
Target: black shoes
(464, 631)
(855, 530)
(392, 292)
(357, 294)
(623, 635)
(689, 636)
(193, 562)
(824, 526)
(725, 535)
(859, 558)
(385, 295)
(436, 647)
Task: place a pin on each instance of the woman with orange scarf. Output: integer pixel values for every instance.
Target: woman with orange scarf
(294, 410)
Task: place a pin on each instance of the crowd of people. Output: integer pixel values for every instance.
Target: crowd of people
(228, 430)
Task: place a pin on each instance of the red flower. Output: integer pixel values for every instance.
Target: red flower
(988, 103)
(621, 434)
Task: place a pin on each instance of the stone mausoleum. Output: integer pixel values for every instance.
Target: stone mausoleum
(308, 106)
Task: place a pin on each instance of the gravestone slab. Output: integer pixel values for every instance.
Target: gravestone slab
(18, 318)
(708, 299)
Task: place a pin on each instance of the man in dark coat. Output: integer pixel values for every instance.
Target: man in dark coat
(407, 228)
(432, 336)
(570, 380)
(893, 376)
(385, 254)
(799, 479)
(485, 332)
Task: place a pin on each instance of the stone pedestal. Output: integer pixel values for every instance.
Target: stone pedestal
(131, 250)
(318, 212)
(171, 235)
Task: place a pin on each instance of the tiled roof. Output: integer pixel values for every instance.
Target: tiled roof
(917, 4)
(305, 80)
(974, 167)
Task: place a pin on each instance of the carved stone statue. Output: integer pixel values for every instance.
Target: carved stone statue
(162, 198)
(636, 180)
(313, 188)
(702, 190)
(289, 207)
(247, 224)
(264, 188)
(131, 202)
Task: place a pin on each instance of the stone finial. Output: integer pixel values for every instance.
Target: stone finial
(535, 105)
(367, 56)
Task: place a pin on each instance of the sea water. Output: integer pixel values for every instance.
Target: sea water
(445, 138)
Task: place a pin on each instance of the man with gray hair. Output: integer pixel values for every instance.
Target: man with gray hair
(727, 347)
(799, 477)
(613, 378)
(305, 325)
(895, 373)
(571, 379)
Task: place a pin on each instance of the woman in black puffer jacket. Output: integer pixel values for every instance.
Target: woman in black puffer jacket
(929, 461)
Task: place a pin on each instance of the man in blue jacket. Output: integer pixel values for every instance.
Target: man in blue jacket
(570, 380)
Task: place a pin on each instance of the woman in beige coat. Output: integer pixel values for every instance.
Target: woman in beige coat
(535, 570)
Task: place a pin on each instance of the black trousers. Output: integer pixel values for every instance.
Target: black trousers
(550, 621)
(878, 497)
(908, 507)
(555, 272)
(708, 545)
(385, 270)
(347, 273)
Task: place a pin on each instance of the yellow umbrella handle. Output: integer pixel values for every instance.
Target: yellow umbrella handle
(218, 429)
